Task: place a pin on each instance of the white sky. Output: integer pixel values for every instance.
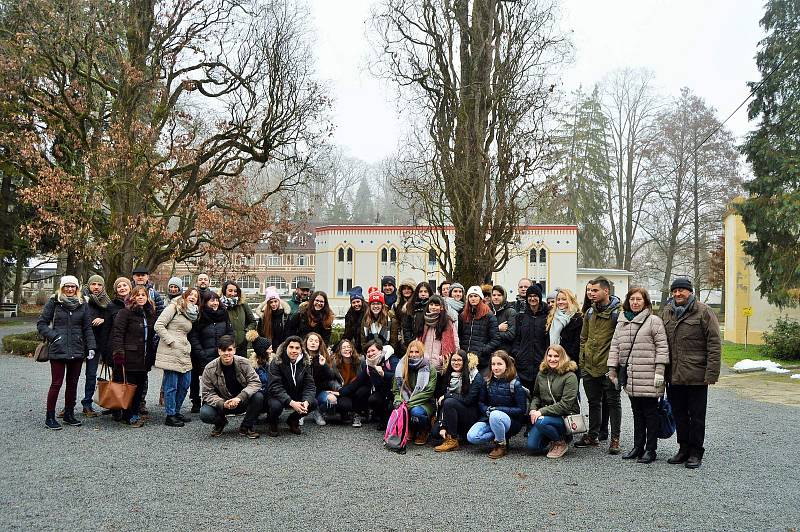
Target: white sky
(706, 45)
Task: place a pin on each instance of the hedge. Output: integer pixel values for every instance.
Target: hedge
(21, 344)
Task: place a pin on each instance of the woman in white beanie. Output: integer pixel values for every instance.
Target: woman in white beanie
(477, 328)
(66, 326)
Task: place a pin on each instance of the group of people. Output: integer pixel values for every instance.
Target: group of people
(469, 365)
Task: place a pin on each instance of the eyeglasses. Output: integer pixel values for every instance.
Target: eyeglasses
(320, 301)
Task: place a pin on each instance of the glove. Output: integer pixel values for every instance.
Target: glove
(119, 359)
(251, 336)
(658, 382)
(91, 354)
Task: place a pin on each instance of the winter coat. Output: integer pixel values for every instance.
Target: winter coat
(424, 397)
(505, 313)
(389, 333)
(299, 326)
(555, 392)
(571, 338)
(410, 319)
(286, 386)
(469, 400)
(694, 345)
(648, 356)
(530, 341)
(352, 326)
(215, 390)
(368, 376)
(113, 309)
(294, 305)
(433, 346)
(480, 337)
(280, 320)
(102, 332)
(69, 332)
(242, 320)
(133, 336)
(497, 395)
(206, 332)
(174, 351)
(596, 333)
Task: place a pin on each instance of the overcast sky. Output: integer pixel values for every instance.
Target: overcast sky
(706, 45)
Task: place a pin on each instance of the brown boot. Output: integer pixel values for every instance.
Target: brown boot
(294, 425)
(422, 437)
(499, 451)
(613, 447)
(449, 444)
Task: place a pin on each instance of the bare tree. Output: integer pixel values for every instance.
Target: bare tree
(475, 76)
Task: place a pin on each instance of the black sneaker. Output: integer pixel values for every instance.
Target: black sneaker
(249, 432)
(173, 421)
(69, 418)
(51, 423)
(185, 419)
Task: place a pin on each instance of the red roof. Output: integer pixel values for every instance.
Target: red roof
(375, 228)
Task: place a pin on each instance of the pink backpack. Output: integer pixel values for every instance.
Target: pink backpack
(396, 436)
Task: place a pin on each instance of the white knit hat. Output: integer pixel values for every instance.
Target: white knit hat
(69, 279)
(473, 290)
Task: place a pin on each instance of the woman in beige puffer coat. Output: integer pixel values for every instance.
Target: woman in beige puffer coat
(174, 353)
(640, 348)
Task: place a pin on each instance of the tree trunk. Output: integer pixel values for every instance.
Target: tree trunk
(19, 270)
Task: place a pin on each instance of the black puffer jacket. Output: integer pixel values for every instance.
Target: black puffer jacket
(352, 326)
(205, 334)
(506, 313)
(571, 337)
(480, 337)
(135, 341)
(530, 342)
(70, 335)
(286, 385)
(409, 321)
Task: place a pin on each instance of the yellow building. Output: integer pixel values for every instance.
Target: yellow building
(741, 289)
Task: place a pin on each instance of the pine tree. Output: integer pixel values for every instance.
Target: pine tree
(772, 210)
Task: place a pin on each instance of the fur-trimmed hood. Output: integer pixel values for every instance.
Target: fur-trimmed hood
(279, 356)
(564, 367)
(259, 310)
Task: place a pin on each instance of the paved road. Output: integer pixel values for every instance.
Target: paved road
(108, 475)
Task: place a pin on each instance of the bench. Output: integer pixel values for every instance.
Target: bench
(9, 310)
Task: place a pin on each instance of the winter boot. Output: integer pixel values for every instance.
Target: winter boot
(499, 451)
(449, 444)
(69, 418)
(50, 421)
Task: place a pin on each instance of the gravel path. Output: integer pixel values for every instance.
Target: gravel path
(111, 476)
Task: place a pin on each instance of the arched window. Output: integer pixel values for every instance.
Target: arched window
(533, 255)
(542, 255)
(349, 254)
(305, 278)
(393, 255)
(384, 255)
(249, 282)
(341, 255)
(278, 282)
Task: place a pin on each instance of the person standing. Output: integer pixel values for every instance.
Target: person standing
(99, 313)
(530, 340)
(378, 323)
(639, 348)
(316, 316)
(596, 333)
(477, 328)
(141, 277)
(354, 317)
(444, 288)
(174, 289)
(564, 323)
(203, 284)
(64, 323)
(414, 310)
(206, 334)
(389, 289)
(299, 297)
(521, 302)
(273, 315)
(174, 353)
(506, 317)
(695, 353)
(437, 332)
(241, 315)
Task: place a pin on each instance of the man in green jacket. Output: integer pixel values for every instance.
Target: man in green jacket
(695, 351)
(300, 296)
(598, 329)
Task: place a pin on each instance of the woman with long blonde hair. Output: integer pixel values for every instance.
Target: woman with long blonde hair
(415, 384)
(564, 323)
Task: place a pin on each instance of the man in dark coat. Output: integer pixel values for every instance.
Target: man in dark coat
(99, 316)
(506, 318)
(530, 338)
(695, 351)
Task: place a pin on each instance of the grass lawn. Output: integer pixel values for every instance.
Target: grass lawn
(733, 353)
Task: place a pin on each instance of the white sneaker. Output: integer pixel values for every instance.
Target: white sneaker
(318, 419)
(302, 420)
(356, 420)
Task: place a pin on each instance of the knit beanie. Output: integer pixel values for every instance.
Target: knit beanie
(96, 279)
(376, 296)
(69, 279)
(456, 285)
(534, 289)
(271, 293)
(356, 293)
(553, 295)
(473, 290)
(681, 282)
(122, 280)
(176, 281)
(389, 279)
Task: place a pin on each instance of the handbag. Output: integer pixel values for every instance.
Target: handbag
(573, 423)
(114, 395)
(42, 352)
(666, 421)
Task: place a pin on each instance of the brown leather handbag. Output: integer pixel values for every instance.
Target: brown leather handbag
(114, 395)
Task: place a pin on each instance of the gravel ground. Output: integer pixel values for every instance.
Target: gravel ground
(108, 475)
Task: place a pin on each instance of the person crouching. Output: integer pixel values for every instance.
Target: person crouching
(291, 385)
(231, 386)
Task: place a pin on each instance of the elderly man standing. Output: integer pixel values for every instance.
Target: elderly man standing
(695, 351)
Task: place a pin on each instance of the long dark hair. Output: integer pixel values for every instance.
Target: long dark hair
(412, 302)
(464, 371)
(327, 313)
(587, 303)
(441, 325)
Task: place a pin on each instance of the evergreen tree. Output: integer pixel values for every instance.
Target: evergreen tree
(772, 210)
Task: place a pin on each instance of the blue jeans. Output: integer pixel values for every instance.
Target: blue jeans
(545, 430)
(495, 430)
(419, 418)
(176, 385)
(91, 380)
(322, 401)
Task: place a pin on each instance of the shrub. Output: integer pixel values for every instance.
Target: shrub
(21, 344)
(782, 342)
(336, 334)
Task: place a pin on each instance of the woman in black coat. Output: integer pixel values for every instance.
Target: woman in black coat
(315, 315)
(133, 347)
(65, 324)
(415, 307)
(213, 324)
(564, 323)
(531, 340)
(477, 328)
(457, 392)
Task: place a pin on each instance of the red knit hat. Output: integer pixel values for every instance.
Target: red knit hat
(375, 295)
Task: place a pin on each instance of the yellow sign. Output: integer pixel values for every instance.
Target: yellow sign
(747, 311)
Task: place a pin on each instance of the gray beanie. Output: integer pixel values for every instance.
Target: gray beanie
(176, 281)
(458, 285)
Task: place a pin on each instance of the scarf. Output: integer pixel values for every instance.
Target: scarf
(70, 303)
(431, 319)
(560, 320)
(681, 310)
(390, 300)
(101, 300)
(191, 311)
(229, 302)
(423, 377)
(629, 314)
(455, 384)
(214, 316)
(457, 306)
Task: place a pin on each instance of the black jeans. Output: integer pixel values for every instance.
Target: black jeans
(276, 409)
(645, 422)
(356, 401)
(194, 383)
(250, 407)
(456, 418)
(689, 403)
(381, 405)
(595, 387)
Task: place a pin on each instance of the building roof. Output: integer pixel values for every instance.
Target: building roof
(604, 271)
(385, 228)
